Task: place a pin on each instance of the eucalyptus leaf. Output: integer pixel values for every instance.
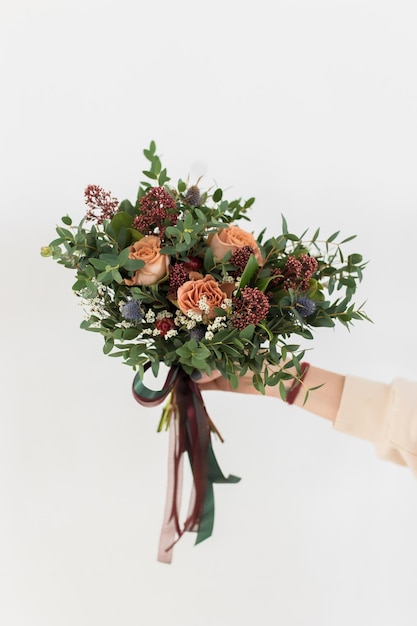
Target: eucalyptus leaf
(120, 220)
(250, 270)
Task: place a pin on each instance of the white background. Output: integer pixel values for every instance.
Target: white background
(310, 107)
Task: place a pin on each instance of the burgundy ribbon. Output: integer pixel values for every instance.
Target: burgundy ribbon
(189, 431)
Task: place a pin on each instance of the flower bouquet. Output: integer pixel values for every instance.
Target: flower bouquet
(172, 278)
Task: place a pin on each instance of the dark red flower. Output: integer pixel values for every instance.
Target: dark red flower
(194, 264)
(165, 325)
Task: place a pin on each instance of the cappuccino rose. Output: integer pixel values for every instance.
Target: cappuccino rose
(148, 249)
(191, 293)
(232, 238)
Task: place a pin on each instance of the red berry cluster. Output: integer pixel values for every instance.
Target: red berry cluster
(240, 257)
(297, 272)
(157, 209)
(101, 205)
(178, 275)
(250, 307)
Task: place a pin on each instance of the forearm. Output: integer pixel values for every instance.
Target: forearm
(324, 401)
(384, 414)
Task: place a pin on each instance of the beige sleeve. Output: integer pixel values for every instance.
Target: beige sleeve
(385, 414)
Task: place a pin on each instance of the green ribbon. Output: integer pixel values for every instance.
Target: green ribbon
(193, 434)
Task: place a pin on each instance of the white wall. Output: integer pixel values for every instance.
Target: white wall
(311, 107)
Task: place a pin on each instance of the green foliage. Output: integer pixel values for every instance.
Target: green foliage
(141, 320)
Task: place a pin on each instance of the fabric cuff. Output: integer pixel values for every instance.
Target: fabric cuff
(363, 409)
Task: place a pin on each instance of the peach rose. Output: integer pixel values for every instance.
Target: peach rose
(148, 249)
(191, 293)
(233, 238)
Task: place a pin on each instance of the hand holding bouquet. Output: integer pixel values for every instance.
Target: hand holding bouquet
(173, 278)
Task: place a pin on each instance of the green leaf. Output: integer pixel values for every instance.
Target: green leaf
(201, 216)
(130, 333)
(258, 384)
(217, 196)
(169, 250)
(189, 221)
(247, 333)
(98, 264)
(266, 329)
(67, 220)
(234, 381)
(163, 178)
(79, 284)
(184, 351)
(333, 237)
(64, 233)
(116, 275)
(316, 234)
(263, 283)
(105, 277)
(200, 365)
(182, 186)
(135, 234)
(348, 239)
(323, 320)
(354, 259)
(108, 346)
(150, 175)
(250, 270)
(151, 151)
(173, 231)
(126, 207)
(123, 257)
(109, 259)
(156, 165)
(122, 238)
(155, 368)
(120, 220)
(131, 265)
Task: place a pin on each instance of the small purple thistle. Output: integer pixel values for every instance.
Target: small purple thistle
(131, 311)
(197, 333)
(193, 196)
(304, 306)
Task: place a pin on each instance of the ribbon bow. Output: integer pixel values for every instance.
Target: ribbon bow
(190, 431)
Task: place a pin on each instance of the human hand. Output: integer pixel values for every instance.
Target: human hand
(215, 381)
(326, 389)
